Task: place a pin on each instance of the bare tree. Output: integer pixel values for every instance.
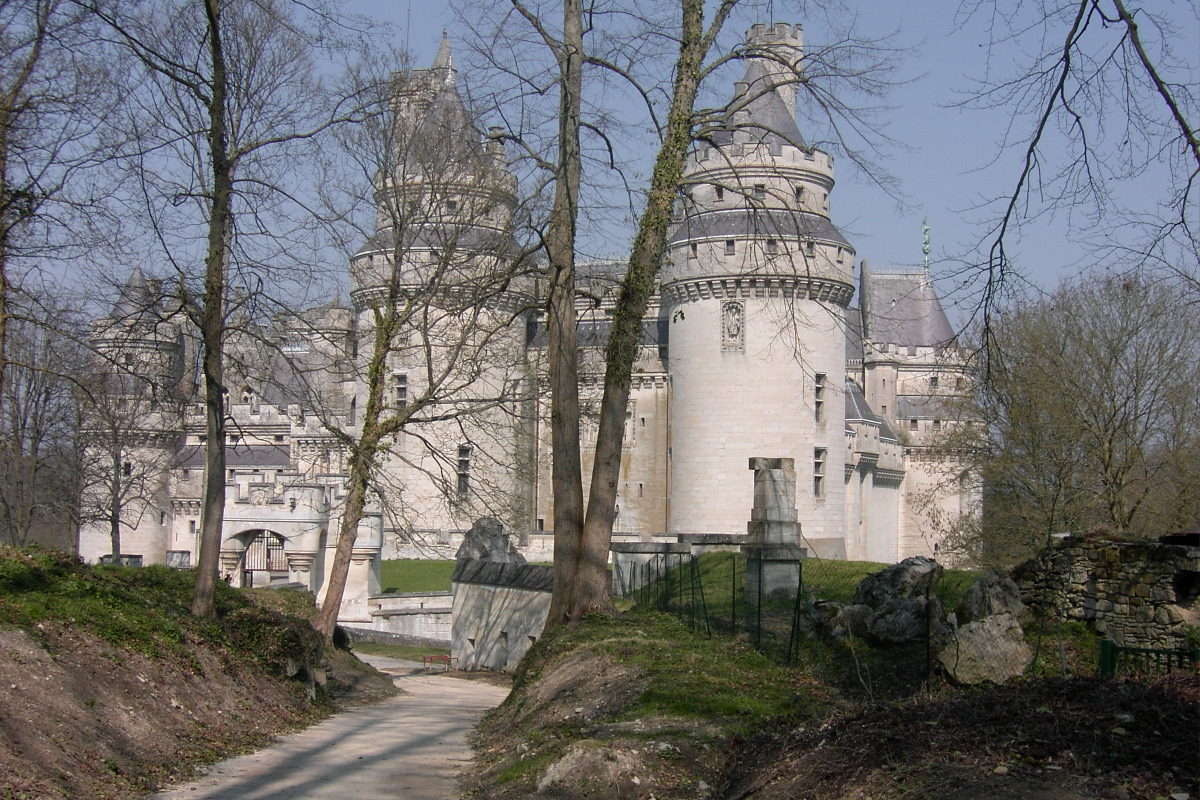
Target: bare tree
(54, 87)
(39, 430)
(1103, 100)
(231, 112)
(127, 425)
(625, 47)
(441, 308)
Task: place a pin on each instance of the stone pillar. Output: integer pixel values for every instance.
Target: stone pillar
(359, 585)
(300, 568)
(230, 560)
(773, 551)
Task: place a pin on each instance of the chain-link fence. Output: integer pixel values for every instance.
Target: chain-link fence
(803, 618)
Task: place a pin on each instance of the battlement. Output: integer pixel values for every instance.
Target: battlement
(783, 33)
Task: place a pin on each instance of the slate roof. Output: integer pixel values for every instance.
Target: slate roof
(858, 410)
(769, 119)
(740, 222)
(922, 407)
(534, 577)
(276, 456)
(595, 334)
(904, 309)
(854, 341)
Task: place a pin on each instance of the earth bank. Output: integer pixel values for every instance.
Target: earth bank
(112, 689)
(641, 708)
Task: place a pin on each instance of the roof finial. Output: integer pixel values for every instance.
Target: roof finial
(443, 59)
(925, 241)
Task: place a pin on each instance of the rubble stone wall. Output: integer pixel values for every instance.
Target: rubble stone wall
(1139, 594)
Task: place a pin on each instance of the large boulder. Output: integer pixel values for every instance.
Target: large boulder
(912, 577)
(906, 619)
(487, 541)
(896, 605)
(994, 593)
(990, 650)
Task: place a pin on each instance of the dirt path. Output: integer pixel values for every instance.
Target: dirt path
(410, 747)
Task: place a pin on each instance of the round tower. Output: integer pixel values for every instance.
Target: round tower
(442, 255)
(755, 293)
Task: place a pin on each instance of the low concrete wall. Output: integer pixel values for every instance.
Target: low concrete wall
(425, 616)
(1139, 594)
(635, 564)
(358, 634)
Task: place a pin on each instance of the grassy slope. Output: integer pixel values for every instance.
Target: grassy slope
(115, 687)
(692, 717)
(642, 691)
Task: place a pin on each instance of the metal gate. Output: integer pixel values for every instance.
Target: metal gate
(264, 553)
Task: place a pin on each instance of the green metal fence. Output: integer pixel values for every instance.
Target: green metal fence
(1116, 659)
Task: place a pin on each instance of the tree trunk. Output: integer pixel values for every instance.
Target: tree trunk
(114, 511)
(561, 324)
(212, 325)
(591, 585)
(362, 464)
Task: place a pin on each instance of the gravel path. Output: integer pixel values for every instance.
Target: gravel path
(409, 747)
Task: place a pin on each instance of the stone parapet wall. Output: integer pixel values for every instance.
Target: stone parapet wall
(1139, 594)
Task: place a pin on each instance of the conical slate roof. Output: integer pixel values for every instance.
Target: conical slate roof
(767, 110)
(903, 308)
(135, 298)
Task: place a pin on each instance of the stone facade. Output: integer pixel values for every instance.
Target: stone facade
(1139, 594)
(752, 345)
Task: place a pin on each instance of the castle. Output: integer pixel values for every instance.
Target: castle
(752, 348)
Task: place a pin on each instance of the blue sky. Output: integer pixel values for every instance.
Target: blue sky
(951, 160)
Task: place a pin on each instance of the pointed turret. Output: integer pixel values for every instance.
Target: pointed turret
(443, 62)
(136, 297)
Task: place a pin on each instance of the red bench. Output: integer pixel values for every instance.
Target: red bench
(430, 659)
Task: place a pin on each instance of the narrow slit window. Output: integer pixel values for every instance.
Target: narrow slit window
(464, 470)
(730, 247)
(819, 472)
(819, 397)
(719, 194)
(400, 391)
(772, 246)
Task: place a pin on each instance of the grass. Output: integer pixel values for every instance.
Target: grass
(406, 652)
(148, 610)
(716, 602)
(415, 575)
(689, 675)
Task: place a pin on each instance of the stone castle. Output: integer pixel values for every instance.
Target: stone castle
(753, 347)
